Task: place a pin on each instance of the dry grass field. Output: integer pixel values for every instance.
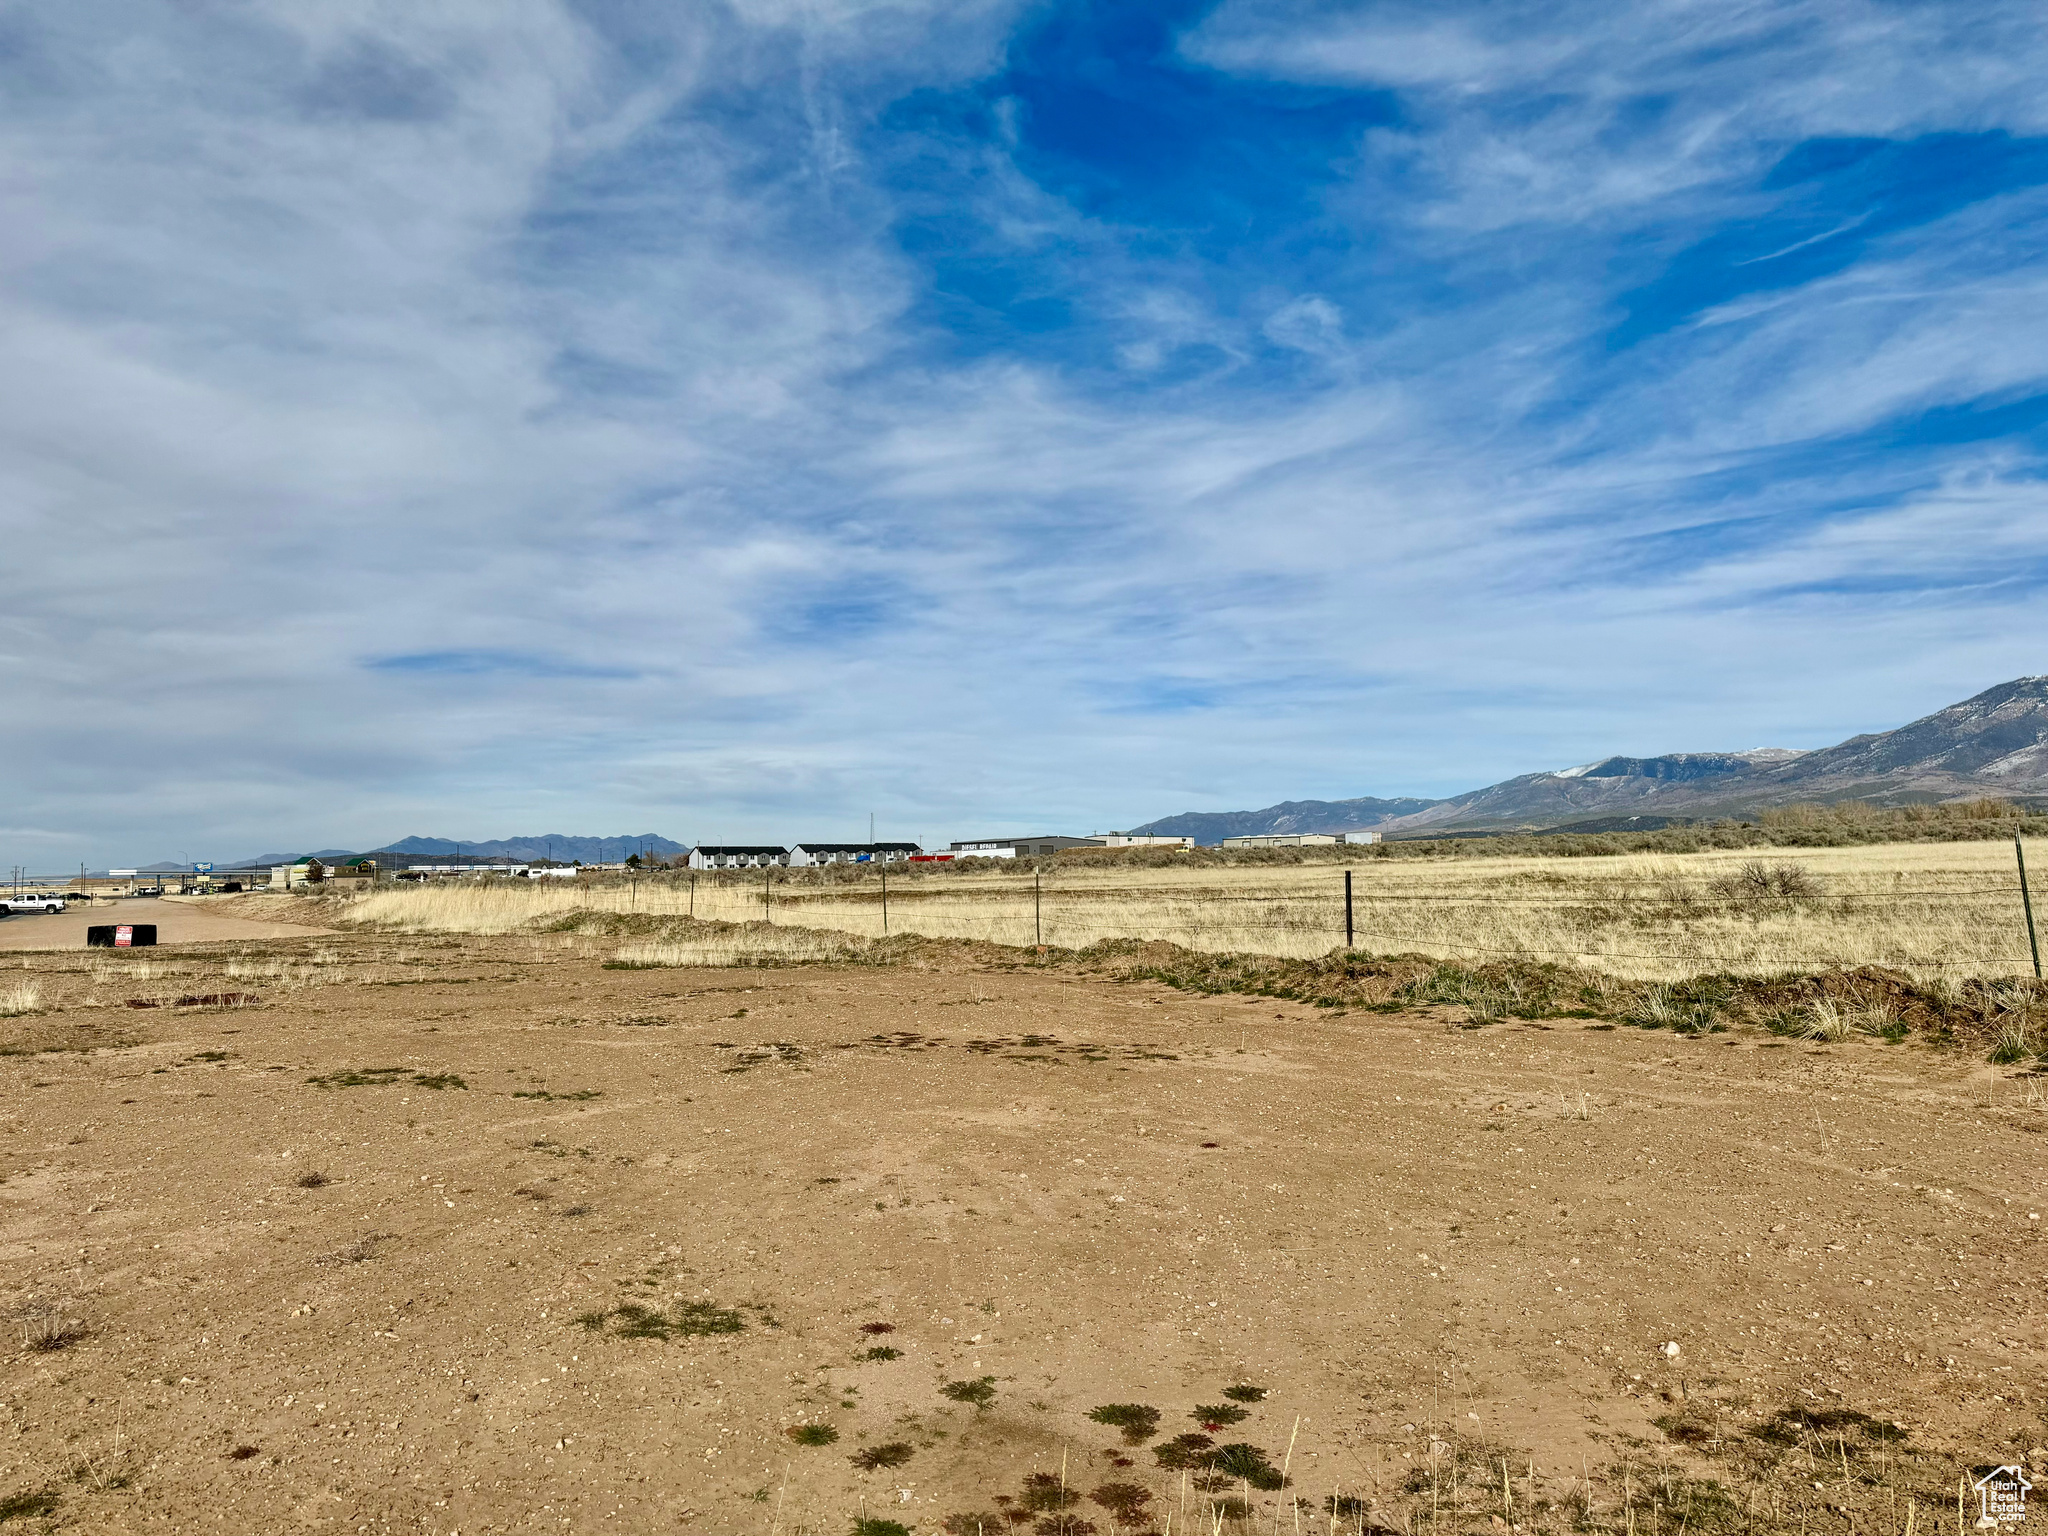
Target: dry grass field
(633, 1226)
(1926, 909)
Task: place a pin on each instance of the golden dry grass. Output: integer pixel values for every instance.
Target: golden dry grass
(1928, 909)
(735, 946)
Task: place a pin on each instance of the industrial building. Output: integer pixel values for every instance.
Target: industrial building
(1300, 839)
(1019, 847)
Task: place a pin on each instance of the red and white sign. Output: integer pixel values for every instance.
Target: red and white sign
(124, 937)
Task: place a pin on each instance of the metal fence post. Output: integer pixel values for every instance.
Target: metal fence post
(766, 874)
(1037, 907)
(1347, 910)
(2027, 901)
(885, 901)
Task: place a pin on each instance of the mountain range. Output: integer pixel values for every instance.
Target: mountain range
(560, 846)
(1995, 744)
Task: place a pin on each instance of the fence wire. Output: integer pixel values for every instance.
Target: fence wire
(1305, 914)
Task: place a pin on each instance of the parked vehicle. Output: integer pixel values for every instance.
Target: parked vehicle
(35, 901)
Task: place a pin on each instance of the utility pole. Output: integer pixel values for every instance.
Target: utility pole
(2027, 901)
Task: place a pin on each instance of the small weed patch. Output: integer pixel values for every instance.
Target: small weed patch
(882, 1352)
(686, 1320)
(875, 1457)
(812, 1434)
(1248, 1463)
(1126, 1501)
(579, 1095)
(1245, 1394)
(384, 1077)
(1138, 1421)
(1046, 1494)
(981, 1391)
(27, 1506)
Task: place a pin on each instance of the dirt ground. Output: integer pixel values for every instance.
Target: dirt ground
(177, 922)
(456, 1236)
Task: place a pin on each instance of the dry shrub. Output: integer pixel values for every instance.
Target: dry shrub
(23, 997)
(1759, 884)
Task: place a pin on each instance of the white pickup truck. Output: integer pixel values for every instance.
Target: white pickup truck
(35, 901)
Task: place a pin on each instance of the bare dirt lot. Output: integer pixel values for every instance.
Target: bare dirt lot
(476, 1234)
(177, 922)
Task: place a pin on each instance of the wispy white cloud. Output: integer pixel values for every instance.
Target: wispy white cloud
(455, 420)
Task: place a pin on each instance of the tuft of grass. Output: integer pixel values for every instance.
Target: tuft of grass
(1245, 1394)
(1217, 1415)
(23, 997)
(361, 1251)
(312, 1178)
(812, 1434)
(1827, 1020)
(892, 1454)
(882, 1352)
(578, 1095)
(45, 1329)
(438, 1080)
(868, 1525)
(1138, 1421)
(2014, 1041)
(981, 1391)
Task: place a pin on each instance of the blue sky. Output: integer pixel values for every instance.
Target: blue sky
(732, 420)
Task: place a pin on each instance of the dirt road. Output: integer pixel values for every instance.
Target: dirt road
(478, 1236)
(177, 922)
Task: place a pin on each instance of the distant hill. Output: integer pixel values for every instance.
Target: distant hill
(561, 846)
(1995, 744)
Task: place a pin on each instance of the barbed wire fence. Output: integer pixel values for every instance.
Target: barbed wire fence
(1361, 918)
